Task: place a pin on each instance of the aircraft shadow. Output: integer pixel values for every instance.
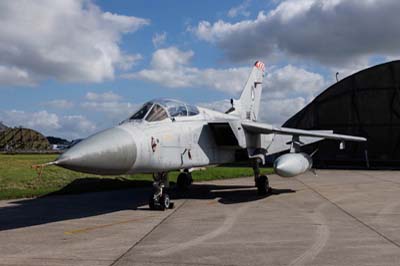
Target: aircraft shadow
(227, 194)
(50, 208)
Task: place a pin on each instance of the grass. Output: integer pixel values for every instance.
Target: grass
(18, 180)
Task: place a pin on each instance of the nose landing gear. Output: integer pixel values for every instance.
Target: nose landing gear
(160, 200)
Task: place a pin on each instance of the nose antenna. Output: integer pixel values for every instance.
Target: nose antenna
(40, 167)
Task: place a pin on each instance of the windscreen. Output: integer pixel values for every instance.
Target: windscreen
(157, 113)
(142, 112)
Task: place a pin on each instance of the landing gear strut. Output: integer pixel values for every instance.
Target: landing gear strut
(184, 181)
(160, 199)
(261, 181)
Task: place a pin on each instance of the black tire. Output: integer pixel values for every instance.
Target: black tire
(262, 184)
(184, 181)
(165, 202)
(152, 204)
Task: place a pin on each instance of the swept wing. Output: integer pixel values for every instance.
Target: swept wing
(262, 128)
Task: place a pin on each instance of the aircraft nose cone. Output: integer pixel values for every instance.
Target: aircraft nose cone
(112, 151)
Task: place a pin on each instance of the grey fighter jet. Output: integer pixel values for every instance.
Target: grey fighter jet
(166, 135)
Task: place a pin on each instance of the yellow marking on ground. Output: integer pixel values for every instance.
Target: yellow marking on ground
(211, 202)
(87, 229)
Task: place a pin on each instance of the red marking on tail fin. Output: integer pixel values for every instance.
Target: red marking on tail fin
(260, 65)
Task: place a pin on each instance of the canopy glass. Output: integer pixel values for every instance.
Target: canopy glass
(159, 109)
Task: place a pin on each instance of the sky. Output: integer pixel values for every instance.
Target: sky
(70, 68)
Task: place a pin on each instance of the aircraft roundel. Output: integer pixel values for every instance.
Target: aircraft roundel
(260, 65)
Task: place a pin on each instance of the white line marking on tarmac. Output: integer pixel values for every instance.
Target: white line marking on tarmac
(322, 233)
(223, 228)
(321, 238)
(351, 215)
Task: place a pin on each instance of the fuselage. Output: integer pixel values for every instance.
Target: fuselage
(179, 143)
(141, 146)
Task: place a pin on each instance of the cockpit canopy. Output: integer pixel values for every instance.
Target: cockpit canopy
(159, 109)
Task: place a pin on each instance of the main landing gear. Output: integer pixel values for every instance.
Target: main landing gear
(160, 199)
(261, 181)
(184, 181)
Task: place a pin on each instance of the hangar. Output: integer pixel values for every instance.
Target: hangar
(366, 104)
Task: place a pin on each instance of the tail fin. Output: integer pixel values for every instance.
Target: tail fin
(250, 98)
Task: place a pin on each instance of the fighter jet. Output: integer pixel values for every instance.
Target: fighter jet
(167, 135)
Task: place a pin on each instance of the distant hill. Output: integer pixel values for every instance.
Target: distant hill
(2, 127)
(56, 140)
(22, 139)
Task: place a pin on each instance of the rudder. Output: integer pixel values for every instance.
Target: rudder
(250, 98)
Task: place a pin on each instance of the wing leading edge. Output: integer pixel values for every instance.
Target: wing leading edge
(261, 128)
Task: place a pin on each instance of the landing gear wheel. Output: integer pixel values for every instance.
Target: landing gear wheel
(165, 202)
(184, 181)
(263, 185)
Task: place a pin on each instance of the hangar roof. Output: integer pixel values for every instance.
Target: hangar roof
(366, 104)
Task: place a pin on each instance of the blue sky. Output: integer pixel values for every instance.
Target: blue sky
(72, 67)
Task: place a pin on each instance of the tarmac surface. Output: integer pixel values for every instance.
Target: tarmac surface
(335, 218)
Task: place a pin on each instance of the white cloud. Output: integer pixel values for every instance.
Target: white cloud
(111, 105)
(60, 104)
(170, 58)
(75, 126)
(286, 91)
(277, 111)
(159, 39)
(330, 32)
(36, 120)
(14, 76)
(115, 109)
(67, 40)
(106, 96)
(220, 106)
(292, 81)
(240, 10)
(170, 67)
